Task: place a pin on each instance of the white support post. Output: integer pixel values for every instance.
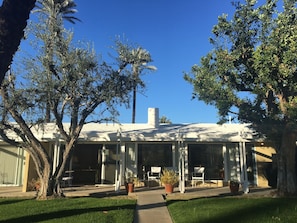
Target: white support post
(183, 175)
(56, 152)
(186, 166)
(179, 166)
(226, 169)
(181, 163)
(55, 158)
(116, 175)
(245, 185)
(122, 164)
(117, 171)
(173, 151)
(103, 164)
(238, 161)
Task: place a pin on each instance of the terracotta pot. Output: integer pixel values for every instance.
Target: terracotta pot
(37, 187)
(130, 188)
(234, 188)
(169, 188)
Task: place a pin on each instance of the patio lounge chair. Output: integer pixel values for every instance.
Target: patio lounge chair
(154, 174)
(67, 178)
(198, 175)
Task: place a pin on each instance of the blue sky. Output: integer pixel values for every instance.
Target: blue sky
(176, 34)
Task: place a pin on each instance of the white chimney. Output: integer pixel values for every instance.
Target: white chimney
(153, 117)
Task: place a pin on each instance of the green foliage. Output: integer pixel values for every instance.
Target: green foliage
(57, 8)
(69, 77)
(164, 119)
(63, 82)
(139, 59)
(67, 210)
(169, 177)
(243, 210)
(251, 72)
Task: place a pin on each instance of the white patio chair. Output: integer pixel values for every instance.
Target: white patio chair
(198, 175)
(154, 174)
(67, 178)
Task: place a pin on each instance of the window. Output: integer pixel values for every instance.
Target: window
(208, 155)
(153, 155)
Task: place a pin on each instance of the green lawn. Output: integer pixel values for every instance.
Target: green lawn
(67, 210)
(239, 210)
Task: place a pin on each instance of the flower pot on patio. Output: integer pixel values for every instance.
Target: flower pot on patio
(234, 187)
(169, 188)
(130, 187)
(34, 185)
(130, 184)
(169, 179)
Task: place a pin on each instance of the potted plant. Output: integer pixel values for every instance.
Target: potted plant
(169, 179)
(35, 184)
(130, 184)
(234, 186)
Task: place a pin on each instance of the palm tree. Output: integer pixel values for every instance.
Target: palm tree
(55, 8)
(12, 29)
(54, 11)
(164, 119)
(139, 60)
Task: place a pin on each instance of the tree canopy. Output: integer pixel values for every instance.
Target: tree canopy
(139, 59)
(251, 74)
(73, 83)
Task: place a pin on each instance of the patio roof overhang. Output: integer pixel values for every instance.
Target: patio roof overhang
(110, 132)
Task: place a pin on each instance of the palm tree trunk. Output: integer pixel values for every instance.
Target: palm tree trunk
(134, 104)
(13, 20)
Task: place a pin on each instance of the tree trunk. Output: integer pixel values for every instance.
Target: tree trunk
(54, 187)
(286, 164)
(44, 181)
(13, 20)
(50, 185)
(134, 103)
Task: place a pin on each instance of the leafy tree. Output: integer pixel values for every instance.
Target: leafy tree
(251, 73)
(53, 9)
(164, 119)
(53, 12)
(13, 20)
(80, 89)
(138, 58)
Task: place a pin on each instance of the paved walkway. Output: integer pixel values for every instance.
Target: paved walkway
(151, 206)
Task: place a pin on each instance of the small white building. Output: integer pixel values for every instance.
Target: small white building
(110, 152)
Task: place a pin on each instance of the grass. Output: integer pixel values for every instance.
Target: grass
(72, 210)
(239, 210)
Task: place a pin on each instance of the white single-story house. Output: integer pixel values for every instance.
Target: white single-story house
(108, 153)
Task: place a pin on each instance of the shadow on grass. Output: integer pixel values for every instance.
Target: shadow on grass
(12, 201)
(150, 206)
(65, 213)
(110, 193)
(251, 212)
